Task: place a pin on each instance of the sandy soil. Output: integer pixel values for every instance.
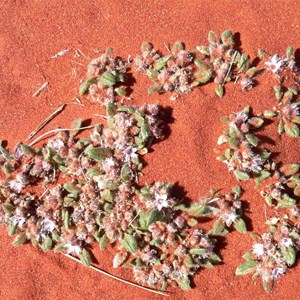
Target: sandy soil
(32, 31)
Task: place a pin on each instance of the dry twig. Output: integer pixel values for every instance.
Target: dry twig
(37, 93)
(117, 278)
(58, 130)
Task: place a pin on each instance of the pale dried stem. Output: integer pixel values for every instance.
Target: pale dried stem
(46, 121)
(117, 278)
(230, 67)
(58, 130)
(51, 117)
(37, 93)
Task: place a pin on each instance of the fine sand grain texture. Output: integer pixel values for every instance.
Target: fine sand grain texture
(32, 31)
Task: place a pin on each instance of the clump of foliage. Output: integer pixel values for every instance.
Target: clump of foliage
(100, 200)
(72, 192)
(274, 251)
(180, 71)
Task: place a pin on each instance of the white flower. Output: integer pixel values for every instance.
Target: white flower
(286, 242)
(160, 200)
(73, 249)
(129, 153)
(221, 139)
(274, 63)
(16, 186)
(47, 226)
(19, 221)
(258, 249)
(277, 272)
(229, 218)
(107, 164)
(57, 144)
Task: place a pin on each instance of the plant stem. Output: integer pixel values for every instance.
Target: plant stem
(58, 130)
(117, 278)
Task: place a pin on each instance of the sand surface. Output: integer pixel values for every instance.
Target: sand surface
(32, 31)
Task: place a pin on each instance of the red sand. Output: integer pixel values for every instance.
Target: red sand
(33, 31)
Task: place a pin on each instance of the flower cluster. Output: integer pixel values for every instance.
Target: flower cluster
(280, 67)
(99, 172)
(181, 71)
(226, 209)
(243, 156)
(277, 189)
(274, 251)
(105, 78)
(72, 192)
(287, 111)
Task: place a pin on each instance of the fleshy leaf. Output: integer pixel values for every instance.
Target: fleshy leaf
(247, 267)
(240, 175)
(85, 257)
(129, 243)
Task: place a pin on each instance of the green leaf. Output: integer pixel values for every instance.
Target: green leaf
(111, 109)
(76, 124)
(177, 47)
(84, 88)
(146, 47)
(240, 175)
(215, 258)
(290, 52)
(67, 219)
(184, 283)
(137, 262)
(289, 169)
(237, 190)
(149, 217)
(108, 78)
(129, 243)
(251, 72)
(256, 122)
(8, 208)
(291, 129)
(197, 251)
(219, 90)
(103, 241)
(247, 267)
(240, 225)
(47, 244)
(289, 255)
(286, 201)
(203, 76)
(252, 139)
(145, 132)
(197, 209)
(188, 261)
(85, 257)
(152, 89)
(20, 239)
(120, 91)
(97, 153)
(58, 248)
(218, 227)
(227, 37)
(268, 285)
(278, 91)
(269, 114)
(72, 188)
(212, 38)
(162, 62)
(11, 228)
(261, 176)
(126, 172)
(280, 127)
(207, 265)
(27, 150)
